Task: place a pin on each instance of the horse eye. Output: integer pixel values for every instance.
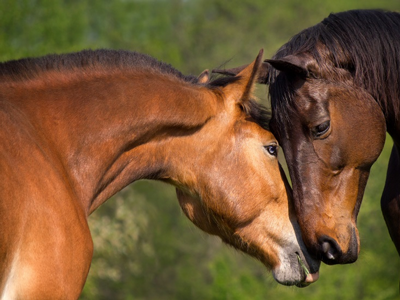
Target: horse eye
(272, 149)
(321, 129)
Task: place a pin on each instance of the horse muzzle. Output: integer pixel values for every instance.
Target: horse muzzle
(332, 253)
(297, 268)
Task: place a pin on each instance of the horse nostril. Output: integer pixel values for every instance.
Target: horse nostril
(328, 251)
(331, 251)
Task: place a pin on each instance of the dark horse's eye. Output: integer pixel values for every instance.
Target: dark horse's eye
(321, 129)
(272, 149)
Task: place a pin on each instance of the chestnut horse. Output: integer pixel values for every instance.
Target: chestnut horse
(77, 128)
(335, 90)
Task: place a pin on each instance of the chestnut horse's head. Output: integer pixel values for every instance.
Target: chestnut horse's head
(231, 184)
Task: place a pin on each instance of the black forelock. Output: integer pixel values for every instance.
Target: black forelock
(258, 113)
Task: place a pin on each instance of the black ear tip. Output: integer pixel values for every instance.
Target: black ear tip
(288, 66)
(224, 72)
(274, 63)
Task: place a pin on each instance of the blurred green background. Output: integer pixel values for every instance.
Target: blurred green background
(145, 248)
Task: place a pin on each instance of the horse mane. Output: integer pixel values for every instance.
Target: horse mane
(364, 42)
(258, 113)
(103, 59)
(29, 68)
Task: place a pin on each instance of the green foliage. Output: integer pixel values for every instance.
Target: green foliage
(144, 246)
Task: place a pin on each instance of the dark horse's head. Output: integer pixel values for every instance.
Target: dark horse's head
(330, 90)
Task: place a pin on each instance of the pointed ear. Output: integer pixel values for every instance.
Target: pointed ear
(241, 89)
(296, 64)
(204, 77)
(261, 77)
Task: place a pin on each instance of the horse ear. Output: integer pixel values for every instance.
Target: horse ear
(297, 64)
(204, 77)
(261, 77)
(241, 90)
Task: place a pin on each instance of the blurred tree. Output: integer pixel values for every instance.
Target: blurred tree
(144, 247)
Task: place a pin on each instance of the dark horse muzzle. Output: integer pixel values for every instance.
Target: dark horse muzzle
(332, 253)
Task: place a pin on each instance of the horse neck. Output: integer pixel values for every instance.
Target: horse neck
(107, 131)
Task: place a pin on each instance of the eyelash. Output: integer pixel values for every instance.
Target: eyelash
(321, 129)
(272, 149)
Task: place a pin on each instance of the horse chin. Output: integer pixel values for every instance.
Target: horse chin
(297, 266)
(296, 269)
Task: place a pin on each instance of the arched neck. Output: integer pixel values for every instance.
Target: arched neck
(107, 131)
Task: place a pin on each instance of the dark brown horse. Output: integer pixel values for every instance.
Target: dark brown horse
(335, 90)
(335, 94)
(77, 128)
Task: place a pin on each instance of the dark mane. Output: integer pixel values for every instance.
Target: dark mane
(29, 68)
(258, 112)
(365, 42)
